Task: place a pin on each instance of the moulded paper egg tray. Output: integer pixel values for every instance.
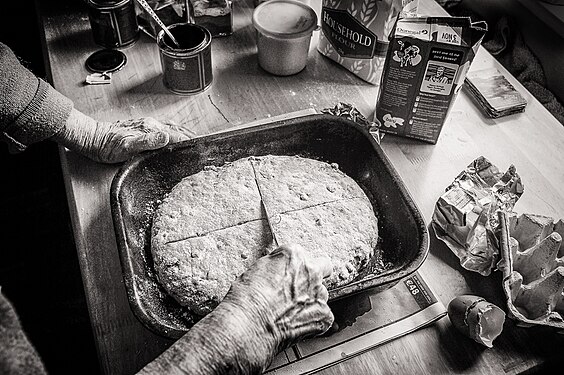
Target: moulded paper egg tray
(142, 183)
(533, 268)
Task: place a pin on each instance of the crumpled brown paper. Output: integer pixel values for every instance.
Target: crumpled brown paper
(465, 216)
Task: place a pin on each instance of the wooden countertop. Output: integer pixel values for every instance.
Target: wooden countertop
(242, 93)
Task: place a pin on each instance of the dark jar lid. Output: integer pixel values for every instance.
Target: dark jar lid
(107, 3)
(106, 61)
(191, 37)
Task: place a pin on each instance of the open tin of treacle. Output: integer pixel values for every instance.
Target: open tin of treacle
(187, 67)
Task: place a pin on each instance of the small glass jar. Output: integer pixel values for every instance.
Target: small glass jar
(114, 23)
(214, 15)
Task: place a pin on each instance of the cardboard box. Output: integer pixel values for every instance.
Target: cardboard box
(425, 67)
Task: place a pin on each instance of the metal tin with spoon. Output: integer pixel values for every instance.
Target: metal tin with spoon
(187, 68)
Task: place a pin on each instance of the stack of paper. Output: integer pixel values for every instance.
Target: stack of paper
(494, 94)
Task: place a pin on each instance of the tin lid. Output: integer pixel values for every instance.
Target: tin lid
(287, 19)
(108, 3)
(106, 61)
(192, 38)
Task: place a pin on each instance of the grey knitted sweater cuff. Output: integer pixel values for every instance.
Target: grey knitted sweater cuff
(45, 115)
(32, 109)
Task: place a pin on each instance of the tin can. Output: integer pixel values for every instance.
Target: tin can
(114, 23)
(187, 69)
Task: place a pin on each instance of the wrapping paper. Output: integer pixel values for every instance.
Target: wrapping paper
(465, 216)
(350, 112)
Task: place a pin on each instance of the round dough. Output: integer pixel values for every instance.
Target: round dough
(211, 227)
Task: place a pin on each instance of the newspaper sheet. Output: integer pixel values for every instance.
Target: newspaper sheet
(362, 322)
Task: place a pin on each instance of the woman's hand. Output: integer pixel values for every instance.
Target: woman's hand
(283, 292)
(114, 142)
(279, 300)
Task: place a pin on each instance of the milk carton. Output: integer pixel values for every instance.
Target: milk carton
(426, 63)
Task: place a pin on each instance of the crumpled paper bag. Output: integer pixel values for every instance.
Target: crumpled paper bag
(354, 33)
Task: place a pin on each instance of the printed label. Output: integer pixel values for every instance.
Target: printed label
(414, 30)
(446, 34)
(347, 35)
(420, 291)
(179, 65)
(407, 54)
(355, 33)
(441, 71)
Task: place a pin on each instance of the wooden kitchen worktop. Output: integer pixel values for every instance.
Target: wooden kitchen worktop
(241, 93)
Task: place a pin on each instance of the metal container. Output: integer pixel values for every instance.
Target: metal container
(113, 23)
(141, 184)
(187, 68)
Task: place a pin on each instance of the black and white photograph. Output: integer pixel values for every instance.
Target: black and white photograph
(281, 187)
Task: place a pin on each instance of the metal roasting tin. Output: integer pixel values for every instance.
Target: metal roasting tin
(141, 184)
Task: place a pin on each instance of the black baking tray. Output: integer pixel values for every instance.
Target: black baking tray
(141, 184)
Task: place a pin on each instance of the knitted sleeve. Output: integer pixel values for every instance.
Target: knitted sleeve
(17, 354)
(31, 110)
